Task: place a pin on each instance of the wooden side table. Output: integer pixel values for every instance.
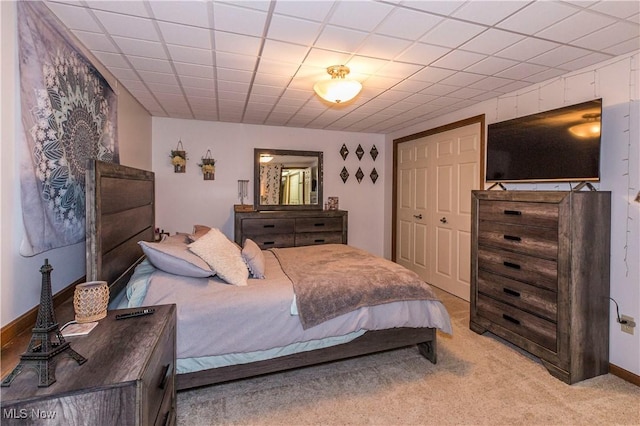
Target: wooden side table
(129, 377)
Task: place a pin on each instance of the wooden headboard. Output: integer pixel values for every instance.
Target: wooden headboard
(120, 212)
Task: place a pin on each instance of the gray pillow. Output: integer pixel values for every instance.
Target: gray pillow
(254, 258)
(176, 259)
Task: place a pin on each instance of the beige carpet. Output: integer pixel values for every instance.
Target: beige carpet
(478, 380)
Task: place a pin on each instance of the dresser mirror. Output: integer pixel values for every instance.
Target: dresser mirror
(287, 179)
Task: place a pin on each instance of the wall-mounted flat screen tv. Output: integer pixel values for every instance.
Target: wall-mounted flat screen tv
(559, 145)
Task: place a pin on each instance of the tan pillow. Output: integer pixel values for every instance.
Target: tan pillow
(216, 249)
(254, 258)
(198, 231)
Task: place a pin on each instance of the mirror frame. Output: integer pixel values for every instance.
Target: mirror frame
(277, 207)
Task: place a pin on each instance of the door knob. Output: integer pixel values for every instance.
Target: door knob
(443, 220)
(418, 216)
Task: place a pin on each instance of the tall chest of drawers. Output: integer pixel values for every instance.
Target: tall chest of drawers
(274, 229)
(540, 275)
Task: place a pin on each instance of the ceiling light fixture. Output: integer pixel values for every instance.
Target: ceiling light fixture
(339, 89)
(265, 158)
(588, 129)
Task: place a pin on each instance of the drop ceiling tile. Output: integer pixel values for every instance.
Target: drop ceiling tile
(619, 9)
(190, 55)
(271, 79)
(192, 91)
(575, 26)
(193, 13)
(294, 30)
(490, 83)
(419, 98)
(128, 26)
(236, 75)
(559, 55)
(452, 33)
(466, 93)
(432, 74)
(135, 8)
(96, 41)
(526, 49)
(284, 52)
(407, 24)
(445, 8)
(238, 19)
(609, 36)
(269, 66)
(312, 10)
(491, 41)
(624, 47)
(412, 86)
(394, 95)
(74, 17)
(143, 48)
(462, 79)
(364, 65)
(382, 47)
(184, 35)
(231, 99)
(422, 53)
(137, 86)
(236, 43)
(547, 74)
(112, 60)
(233, 86)
(123, 74)
(516, 85)
(148, 64)
(537, 16)
(487, 13)
(233, 61)
(458, 60)
(197, 82)
(163, 89)
(193, 70)
(340, 39)
(325, 58)
(440, 89)
(521, 71)
(377, 82)
(398, 70)
(359, 15)
(491, 65)
(585, 61)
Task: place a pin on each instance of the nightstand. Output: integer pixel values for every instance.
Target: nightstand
(129, 377)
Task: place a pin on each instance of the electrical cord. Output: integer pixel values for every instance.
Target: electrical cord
(620, 320)
(69, 323)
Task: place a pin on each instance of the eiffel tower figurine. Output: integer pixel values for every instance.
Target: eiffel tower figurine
(46, 342)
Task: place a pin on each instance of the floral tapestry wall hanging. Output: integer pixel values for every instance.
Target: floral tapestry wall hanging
(68, 114)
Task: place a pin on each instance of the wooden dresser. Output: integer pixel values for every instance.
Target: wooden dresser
(128, 379)
(291, 228)
(540, 275)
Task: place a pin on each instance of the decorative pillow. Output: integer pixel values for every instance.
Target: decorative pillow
(175, 258)
(179, 238)
(198, 231)
(254, 258)
(223, 256)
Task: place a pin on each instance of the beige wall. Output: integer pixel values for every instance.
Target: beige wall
(19, 276)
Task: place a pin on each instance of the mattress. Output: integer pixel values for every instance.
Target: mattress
(220, 324)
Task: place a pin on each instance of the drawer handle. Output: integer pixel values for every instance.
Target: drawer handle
(511, 265)
(511, 319)
(318, 224)
(318, 241)
(268, 243)
(167, 370)
(511, 292)
(512, 238)
(269, 226)
(513, 212)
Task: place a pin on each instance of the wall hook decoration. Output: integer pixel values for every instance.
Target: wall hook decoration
(208, 166)
(179, 158)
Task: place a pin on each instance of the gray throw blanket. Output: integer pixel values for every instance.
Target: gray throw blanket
(333, 279)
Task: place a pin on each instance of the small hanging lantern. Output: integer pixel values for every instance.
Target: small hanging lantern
(208, 166)
(179, 158)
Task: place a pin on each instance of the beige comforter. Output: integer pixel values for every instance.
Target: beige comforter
(333, 279)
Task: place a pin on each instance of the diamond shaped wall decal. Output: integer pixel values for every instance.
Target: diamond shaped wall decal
(344, 174)
(359, 175)
(374, 175)
(344, 152)
(359, 152)
(374, 153)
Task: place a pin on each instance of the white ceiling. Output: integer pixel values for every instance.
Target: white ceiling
(256, 61)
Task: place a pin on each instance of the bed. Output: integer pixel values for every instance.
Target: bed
(267, 325)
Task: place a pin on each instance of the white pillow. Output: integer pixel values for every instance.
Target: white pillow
(175, 258)
(254, 258)
(223, 256)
